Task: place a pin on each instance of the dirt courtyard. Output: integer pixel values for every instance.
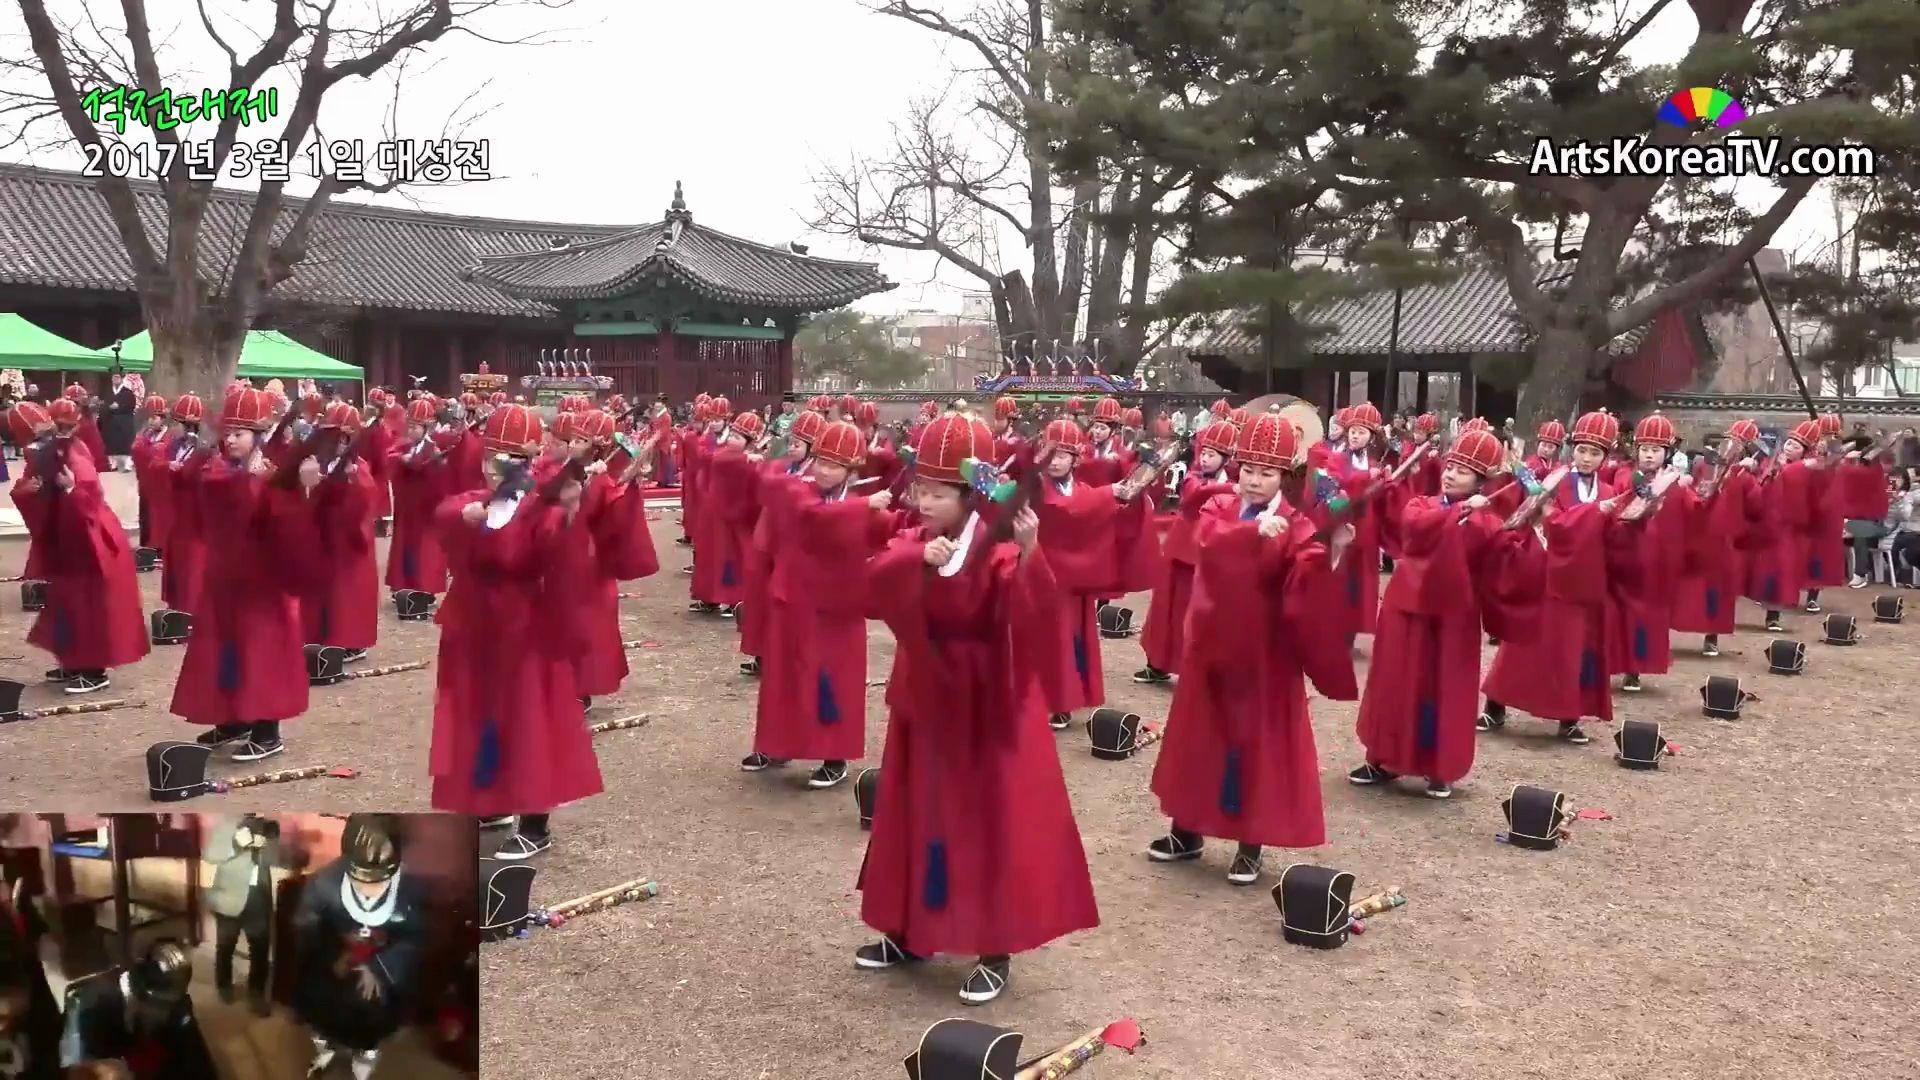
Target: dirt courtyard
(1750, 911)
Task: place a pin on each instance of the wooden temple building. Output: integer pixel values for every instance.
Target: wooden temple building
(671, 307)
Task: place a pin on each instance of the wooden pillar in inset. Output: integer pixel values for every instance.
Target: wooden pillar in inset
(667, 362)
(456, 356)
(783, 376)
(1420, 392)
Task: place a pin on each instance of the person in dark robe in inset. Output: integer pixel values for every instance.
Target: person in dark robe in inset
(359, 934)
(122, 419)
(29, 1016)
(141, 1017)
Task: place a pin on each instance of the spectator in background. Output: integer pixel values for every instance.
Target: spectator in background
(1678, 459)
(120, 421)
(1903, 528)
(1906, 449)
(243, 854)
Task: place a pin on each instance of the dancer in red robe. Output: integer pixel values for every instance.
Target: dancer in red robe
(73, 416)
(509, 736)
(1099, 538)
(883, 461)
(1459, 571)
(92, 621)
(177, 474)
(1103, 462)
(421, 471)
(1716, 550)
(812, 701)
(342, 608)
(148, 452)
(1560, 673)
(1009, 446)
(1320, 453)
(1825, 537)
(974, 848)
(728, 503)
(245, 670)
(697, 443)
(1790, 501)
(613, 511)
(1238, 761)
(1638, 641)
(761, 546)
(1358, 467)
(1164, 638)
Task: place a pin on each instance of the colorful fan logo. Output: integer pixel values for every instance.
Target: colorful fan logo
(1687, 108)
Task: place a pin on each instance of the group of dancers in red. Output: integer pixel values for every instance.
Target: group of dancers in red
(987, 550)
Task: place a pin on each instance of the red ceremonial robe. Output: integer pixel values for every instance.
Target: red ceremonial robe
(1164, 637)
(729, 502)
(615, 518)
(1096, 547)
(1560, 673)
(1013, 447)
(1361, 566)
(1423, 685)
(414, 558)
(1778, 569)
(151, 484)
(1824, 536)
(883, 461)
(377, 450)
(245, 662)
(508, 734)
(92, 619)
(974, 848)
(813, 677)
(1715, 565)
(183, 567)
(1238, 761)
(1103, 466)
(342, 607)
(760, 555)
(1638, 639)
(694, 447)
(87, 433)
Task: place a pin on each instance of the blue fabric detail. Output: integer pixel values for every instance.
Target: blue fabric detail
(326, 622)
(62, 629)
(1589, 669)
(933, 891)
(1770, 587)
(486, 759)
(1080, 655)
(1814, 565)
(726, 572)
(1642, 645)
(1426, 729)
(1230, 793)
(827, 708)
(228, 678)
(1713, 602)
(1248, 513)
(410, 563)
(166, 577)
(1353, 584)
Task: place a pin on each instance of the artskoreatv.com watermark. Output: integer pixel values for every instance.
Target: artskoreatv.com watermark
(1733, 156)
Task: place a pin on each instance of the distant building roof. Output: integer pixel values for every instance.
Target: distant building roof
(711, 263)
(55, 231)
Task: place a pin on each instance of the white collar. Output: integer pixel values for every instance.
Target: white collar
(357, 909)
(500, 511)
(1064, 485)
(961, 547)
(1586, 487)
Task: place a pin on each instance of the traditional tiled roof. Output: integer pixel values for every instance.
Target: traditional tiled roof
(1474, 313)
(711, 263)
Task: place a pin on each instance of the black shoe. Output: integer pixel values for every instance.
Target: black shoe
(1812, 608)
(1060, 721)
(686, 569)
(521, 845)
(1246, 865)
(586, 703)
(223, 735)
(1151, 675)
(263, 741)
(1570, 731)
(88, 682)
(751, 667)
(500, 821)
(1774, 625)
(987, 980)
(728, 611)
(227, 994)
(1176, 846)
(1490, 722)
(354, 656)
(683, 542)
(757, 761)
(58, 674)
(828, 774)
(1710, 646)
(1369, 774)
(1438, 790)
(881, 955)
(1631, 684)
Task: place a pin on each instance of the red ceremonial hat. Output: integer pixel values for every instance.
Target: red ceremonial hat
(808, 426)
(1343, 416)
(1830, 423)
(1477, 450)
(1598, 428)
(929, 409)
(1221, 409)
(29, 421)
(616, 404)
(1064, 434)
(749, 424)
(1654, 430)
(849, 404)
(1268, 440)
(250, 409)
(1239, 418)
(1553, 431)
(155, 405)
(188, 409)
(312, 404)
(1364, 415)
(1478, 423)
(1133, 418)
(702, 398)
(64, 411)
(374, 396)
(469, 400)
(512, 429)
(1745, 430)
(1219, 437)
(1106, 411)
(1076, 406)
(820, 403)
(722, 408)
(1006, 408)
(594, 426)
(497, 398)
(421, 411)
(79, 393)
(562, 429)
(347, 418)
(1807, 433)
(841, 444)
(947, 441)
(869, 413)
(1163, 426)
(1426, 422)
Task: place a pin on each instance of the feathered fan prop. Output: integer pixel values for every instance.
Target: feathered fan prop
(988, 479)
(1327, 490)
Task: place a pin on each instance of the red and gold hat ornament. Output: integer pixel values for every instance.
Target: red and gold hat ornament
(868, 414)
(188, 409)
(1598, 428)
(344, 416)
(808, 426)
(65, 412)
(422, 411)
(249, 410)
(1807, 433)
(1220, 437)
(1267, 440)
(1426, 423)
(513, 429)
(1745, 430)
(155, 405)
(840, 443)
(1478, 423)
(1654, 430)
(1477, 450)
(29, 421)
(949, 442)
(748, 424)
(594, 426)
(1006, 408)
(1553, 431)
(1064, 434)
(1364, 415)
(1107, 411)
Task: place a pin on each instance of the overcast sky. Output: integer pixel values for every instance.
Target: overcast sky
(741, 100)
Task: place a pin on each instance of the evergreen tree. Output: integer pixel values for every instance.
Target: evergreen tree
(856, 347)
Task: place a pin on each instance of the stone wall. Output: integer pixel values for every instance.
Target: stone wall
(1697, 416)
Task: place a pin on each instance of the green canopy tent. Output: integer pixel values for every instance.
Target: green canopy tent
(266, 354)
(29, 348)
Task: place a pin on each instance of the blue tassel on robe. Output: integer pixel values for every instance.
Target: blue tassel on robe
(1230, 794)
(1642, 646)
(726, 572)
(1080, 656)
(1814, 565)
(1713, 602)
(1353, 586)
(326, 623)
(1426, 730)
(486, 758)
(228, 677)
(933, 891)
(826, 707)
(410, 564)
(62, 629)
(1589, 669)
(1770, 588)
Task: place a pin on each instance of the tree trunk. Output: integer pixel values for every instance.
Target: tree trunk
(1023, 316)
(1086, 200)
(193, 347)
(1561, 356)
(1133, 338)
(1109, 268)
(1040, 231)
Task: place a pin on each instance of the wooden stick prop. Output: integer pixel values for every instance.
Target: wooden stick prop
(625, 723)
(62, 710)
(390, 669)
(1121, 1034)
(1388, 899)
(626, 892)
(1538, 500)
(280, 776)
(1147, 471)
(1345, 514)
